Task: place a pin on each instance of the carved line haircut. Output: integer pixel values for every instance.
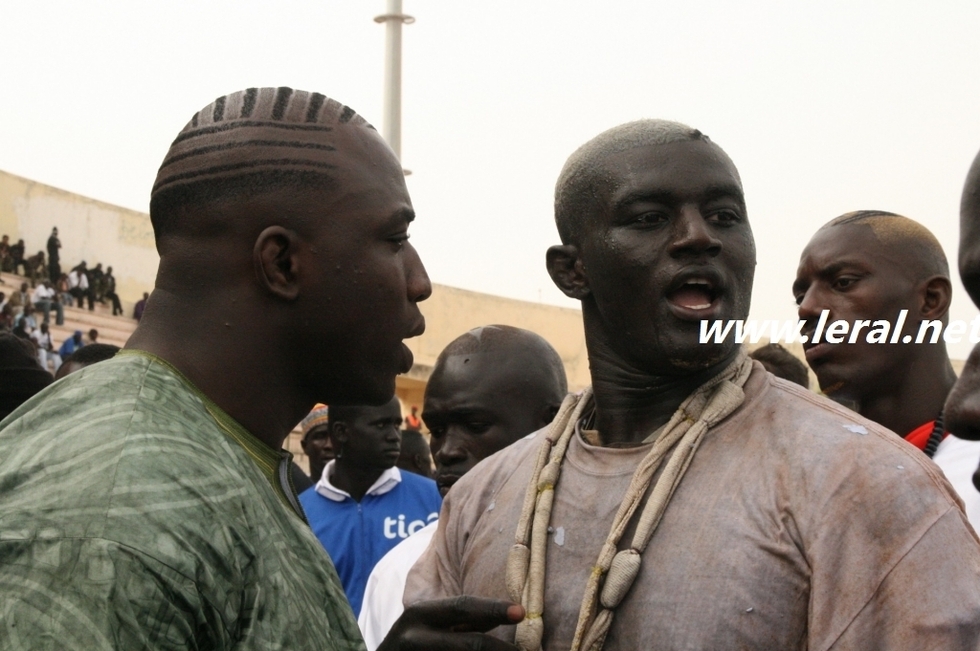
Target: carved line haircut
(249, 142)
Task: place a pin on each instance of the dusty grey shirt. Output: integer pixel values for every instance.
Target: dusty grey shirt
(799, 525)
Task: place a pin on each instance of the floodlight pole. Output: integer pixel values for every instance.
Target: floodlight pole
(392, 115)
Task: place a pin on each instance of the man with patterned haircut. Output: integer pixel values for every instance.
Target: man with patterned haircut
(145, 501)
(689, 499)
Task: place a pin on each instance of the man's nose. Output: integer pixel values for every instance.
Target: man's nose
(693, 234)
(961, 415)
(419, 285)
(811, 305)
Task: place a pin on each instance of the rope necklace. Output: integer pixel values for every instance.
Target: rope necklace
(709, 404)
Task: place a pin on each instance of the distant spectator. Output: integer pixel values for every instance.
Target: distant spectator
(82, 357)
(45, 299)
(79, 287)
(412, 421)
(45, 348)
(93, 337)
(70, 345)
(415, 455)
(3, 300)
(17, 257)
(27, 319)
(63, 287)
(5, 260)
(140, 306)
(54, 257)
(6, 318)
(109, 282)
(316, 441)
(20, 299)
(21, 332)
(37, 268)
(781, 363)
(96, 281)
(21, 377)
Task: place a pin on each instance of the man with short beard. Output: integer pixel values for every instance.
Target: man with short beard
(689, 500)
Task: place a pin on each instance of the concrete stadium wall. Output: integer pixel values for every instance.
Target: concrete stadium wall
(89, 230)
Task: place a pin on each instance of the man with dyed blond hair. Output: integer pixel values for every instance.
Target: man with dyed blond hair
(688, 499)
(873, 266)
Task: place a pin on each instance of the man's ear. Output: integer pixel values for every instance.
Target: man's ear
(935, 296)
(338, 433)
(567, 271)
(276, 259)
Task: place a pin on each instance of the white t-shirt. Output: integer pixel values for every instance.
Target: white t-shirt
(42, 293)
(43, 339)
(382, 605)
(958, 459)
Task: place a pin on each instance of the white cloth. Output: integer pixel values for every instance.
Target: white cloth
(79, 280)
(42, 293)
(382, 605)
(386, 482)
(958, 459)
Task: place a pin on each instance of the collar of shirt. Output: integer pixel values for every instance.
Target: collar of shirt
(386, 482)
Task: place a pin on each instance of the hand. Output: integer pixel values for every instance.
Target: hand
(455, 624)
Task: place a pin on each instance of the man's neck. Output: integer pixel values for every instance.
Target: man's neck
(918, 399)
(228, 360)
(354, 480)
(630, 403)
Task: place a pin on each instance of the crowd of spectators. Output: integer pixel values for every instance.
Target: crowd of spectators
(25, 309)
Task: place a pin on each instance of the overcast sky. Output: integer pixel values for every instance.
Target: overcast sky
(825, 108)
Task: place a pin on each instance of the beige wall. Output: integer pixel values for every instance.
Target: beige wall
(89, 230)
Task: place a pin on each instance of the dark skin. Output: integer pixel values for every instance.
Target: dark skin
(478, 403)
(307, 280)
(366, 445)
(847, 270)
(669, 245)
(962, 416)
(319, 449)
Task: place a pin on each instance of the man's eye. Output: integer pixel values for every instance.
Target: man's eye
(726, 217)
(438, 431)
(650, 218)
(478, 427)
(399, 240)
(844, 283)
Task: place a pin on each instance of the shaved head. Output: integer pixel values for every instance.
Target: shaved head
(243, 145)
(969, 257)
(576, 194)
(920, 251)
(505, 341)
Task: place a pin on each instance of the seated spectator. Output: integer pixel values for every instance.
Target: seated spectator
(79, 287)
(86, 356)
(45, 348)
(782, 363)
(17, 257)
(37, 268)
(93, 337)
(415, 456)
(489, 388)
(27, 320)
(70, 345)
(109, 288)
(362, 506)
(20, 299)
(21, 331)
(140, 306)
(316, 440)
(6, 318)
(46, 299)
(20, 375)
(63, 287)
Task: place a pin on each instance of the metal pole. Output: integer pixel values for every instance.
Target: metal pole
(392, 114)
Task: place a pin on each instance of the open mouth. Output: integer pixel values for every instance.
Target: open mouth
(445, 482)
(695, 293)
